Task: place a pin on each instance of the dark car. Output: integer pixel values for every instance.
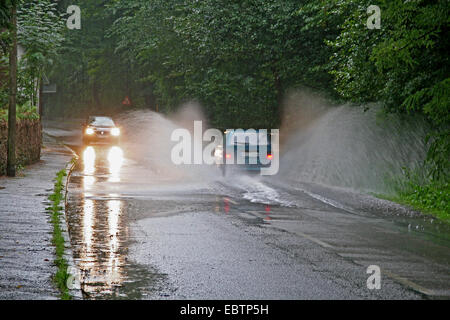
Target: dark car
(245, 150)
(100, 130)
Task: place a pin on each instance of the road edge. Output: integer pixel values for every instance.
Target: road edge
(75, 291)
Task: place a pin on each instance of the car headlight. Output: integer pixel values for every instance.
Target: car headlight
(89, 131)
(115, 132)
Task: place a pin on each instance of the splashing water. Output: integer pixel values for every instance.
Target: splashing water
(147, 140)
(341, 146)
(347, 147)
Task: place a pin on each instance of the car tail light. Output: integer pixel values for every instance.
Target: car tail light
(269, 156)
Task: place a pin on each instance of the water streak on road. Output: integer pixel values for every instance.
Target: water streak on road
(97, 226)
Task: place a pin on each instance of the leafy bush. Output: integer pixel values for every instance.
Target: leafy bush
(25, 111)
(424, 194)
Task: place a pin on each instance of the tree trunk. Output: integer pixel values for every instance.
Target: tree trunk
(40, 102)
(11, 160)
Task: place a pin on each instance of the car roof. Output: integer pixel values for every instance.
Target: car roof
(248, 136)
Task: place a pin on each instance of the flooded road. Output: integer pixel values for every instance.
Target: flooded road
(98, 226)
(141, 229)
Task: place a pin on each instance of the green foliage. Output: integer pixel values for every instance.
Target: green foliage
(431, 198)
(61, 275)
(88, 73)
(24, 111)
(39, 29)
(403, 65)
(240, 58)
(40, 33)
(27, 111)
(4, 90)
(237, 58)
(5, 12)
(421, 193)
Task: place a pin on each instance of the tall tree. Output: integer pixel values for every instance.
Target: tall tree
(11, 157)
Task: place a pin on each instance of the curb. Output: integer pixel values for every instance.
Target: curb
(68, 253)
(76, 293)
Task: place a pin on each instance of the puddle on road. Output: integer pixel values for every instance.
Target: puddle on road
(99, 233)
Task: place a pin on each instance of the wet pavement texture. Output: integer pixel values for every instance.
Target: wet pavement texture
(98, 228)
(26, 251)
(141, 231)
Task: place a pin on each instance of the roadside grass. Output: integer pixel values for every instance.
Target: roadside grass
(61, 276)
(431, 197)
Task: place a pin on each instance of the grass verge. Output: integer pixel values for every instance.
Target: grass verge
(56, 210)
(428, 196)
(432, 199)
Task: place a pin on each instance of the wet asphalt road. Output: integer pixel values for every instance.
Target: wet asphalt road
(140, 231)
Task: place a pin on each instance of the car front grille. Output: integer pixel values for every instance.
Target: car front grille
(102, 133)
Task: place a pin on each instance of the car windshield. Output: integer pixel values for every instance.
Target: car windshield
(250, 138)
(101, 122)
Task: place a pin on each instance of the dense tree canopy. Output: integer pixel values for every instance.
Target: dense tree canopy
(404, 64)
(240, 58)
(39, 30)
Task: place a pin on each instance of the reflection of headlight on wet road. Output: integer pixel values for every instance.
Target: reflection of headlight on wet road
(88, 181)
(113, 275)
(89, 160)
(115, 159)
(88, 220)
